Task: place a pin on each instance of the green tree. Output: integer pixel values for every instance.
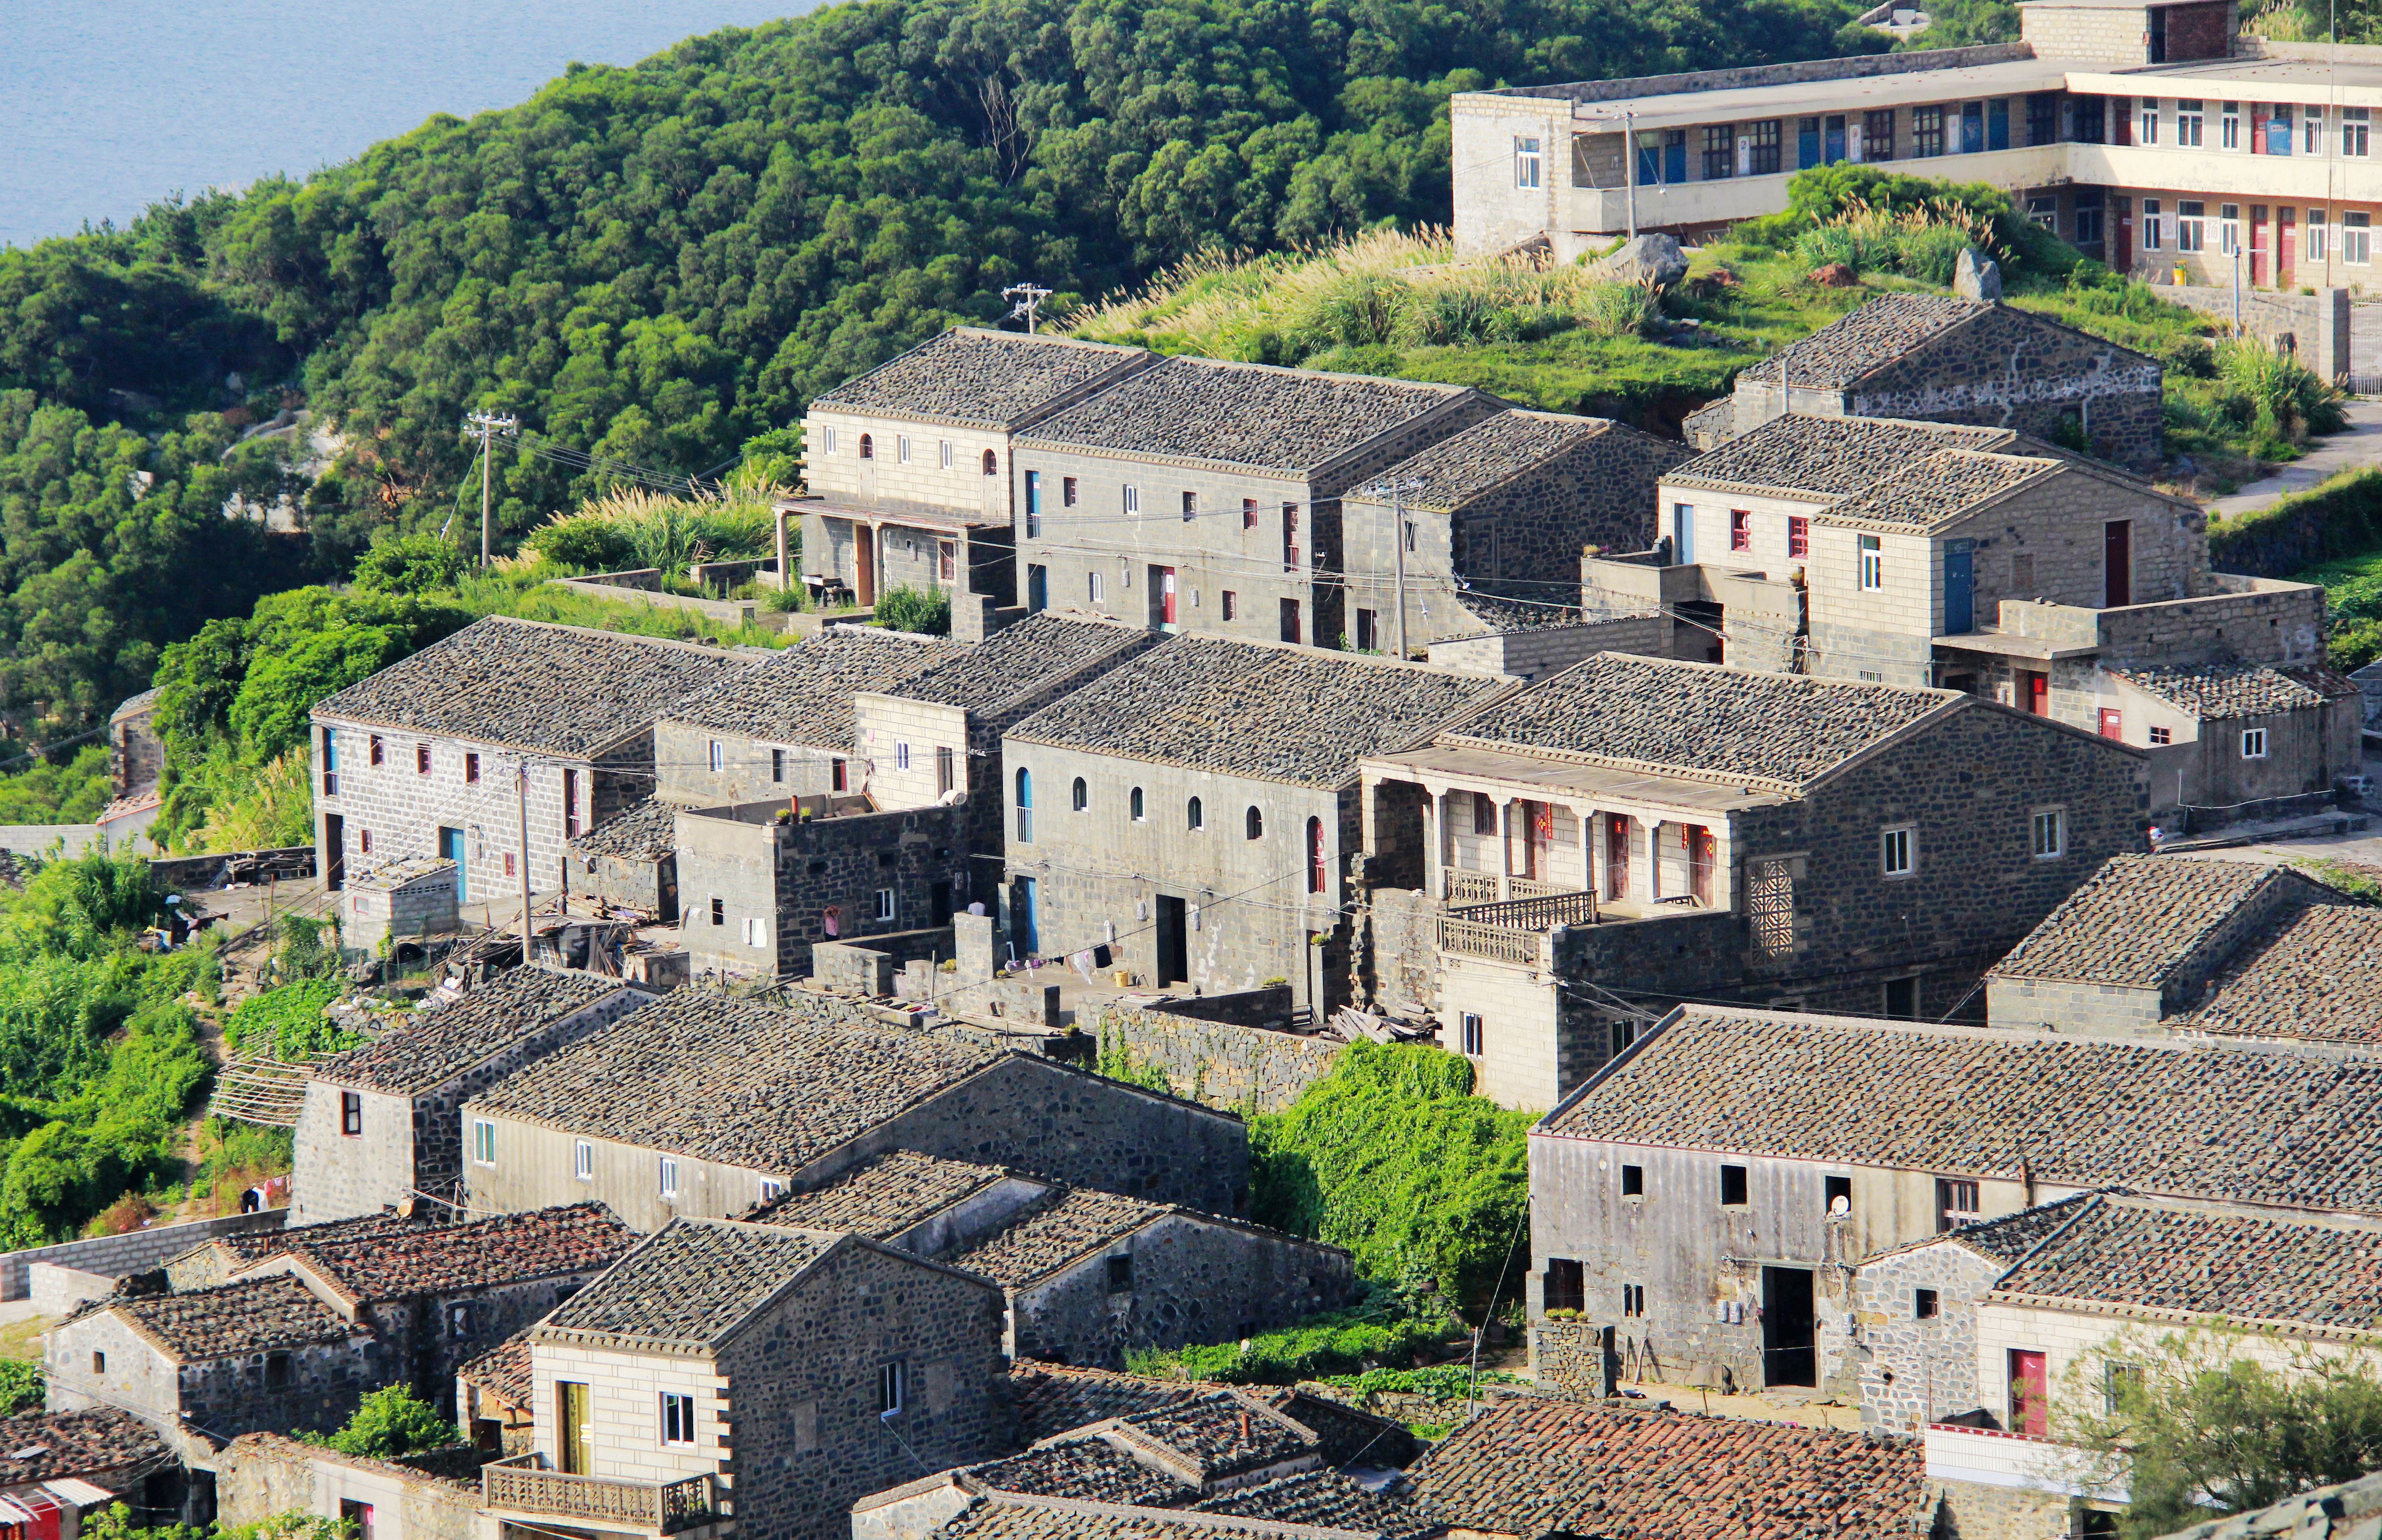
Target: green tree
(394, 1421)
(410, 563)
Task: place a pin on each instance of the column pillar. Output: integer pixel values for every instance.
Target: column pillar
(1434, 871)
(1587, 817)
(1505, 849)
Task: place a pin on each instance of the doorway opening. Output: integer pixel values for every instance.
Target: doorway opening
(1789, 1327)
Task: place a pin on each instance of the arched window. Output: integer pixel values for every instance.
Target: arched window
(1136, 806)
(1315, 855)
(1081, 795)
(1198, 819)
(867, 447)
(1024, 806)
(1256, 823)
(991, 464)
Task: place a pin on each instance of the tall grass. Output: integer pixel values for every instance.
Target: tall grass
(632, 527)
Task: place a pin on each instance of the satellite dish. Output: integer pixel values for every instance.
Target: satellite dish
(405, 1207)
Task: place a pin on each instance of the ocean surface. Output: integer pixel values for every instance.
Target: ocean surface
(107, 105)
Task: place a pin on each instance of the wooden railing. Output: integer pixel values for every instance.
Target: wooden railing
(661, 1507)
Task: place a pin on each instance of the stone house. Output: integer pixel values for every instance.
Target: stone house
(752, 1375)
(136, 764)
(1528, 1468)
(425, 1496)
(910, 472)
(2248, 738)
(494, 1404)
(629, 861)
(1549, 872)
(1205, 495)
(704, 1105)
(1500, 509)
(1088, 1276)
(1946, 358)
(1192, 812)
(439, 754)
(384, 1122)
(59, 1465)
(1706, 1196)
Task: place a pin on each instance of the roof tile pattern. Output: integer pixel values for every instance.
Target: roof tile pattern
(724, 1079)
(1934, 490)
(1219, 1434)
(975, 378)
(689, 1284)
(882, 1197)
(2135, 920)
(1779, 729)
(1054, 1233)
(2315, 974)
(1457, 469)
(2007, 1238)
(1051, 1398)
(557, 690)
(640, 832)
(1239, 708)
(1288, 421)
(2216, 692)
(1090, 1469)
(245, 1246)
(2353, 1507)
(1826, 457)
(1326, 1498)
(1012, 662)
(1536, 1467)
(503, 1371)
(803, 695)
(52, 1446)
(2257, 1127)
(249, 1315)
(1886, 328)
(1017, 1517)
(442, 1042)
(479, 1253)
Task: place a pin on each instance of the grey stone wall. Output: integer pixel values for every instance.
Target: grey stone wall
(2314, 327)
(2010, 369)
(747, 771)
(136, 1251)
(1574, 1358)
(1541, 650)
(1913, 1371)
(1193, 1280)
(2063, 1005)
(1220, 1063)
(261, 1474)
(1972, 1511)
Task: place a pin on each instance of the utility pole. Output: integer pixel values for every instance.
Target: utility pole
(1029, 297)
(489, 425)
(1398, 490)
(522, 784)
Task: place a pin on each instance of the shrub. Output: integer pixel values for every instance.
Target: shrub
(1827, 246)
(924, 612)
(2285, 398)
(390, 1422)
(288, 1022)
(123, 1216)
(1348, 1341)
(1931, 251)
(409, 564)
(21, 1386)
(582, 543)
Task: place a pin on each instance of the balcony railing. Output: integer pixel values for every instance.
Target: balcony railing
(1480, 887)
(520, 1484)
(1497, 943)
(1538, 913)
(1516, 931)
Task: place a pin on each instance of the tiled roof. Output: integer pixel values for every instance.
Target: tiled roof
(524, 684)
(640, 832)
(1782, 730)
(1012, 662)
(1939, 488)
(2172, 1118)
(246, 1246)
(442, 1042)
(1051, 1398)
(689, 1284)
(1457, 469)
(479, 1253)
(970, 377)
(1090, 1469)
(1286, 421)
(2216, 692)
(1532, 1467)
(1054, 1232)
(2135, 920)
(1326, 1498)
(53, 1446)
(2005, 1240)
(1251, 709)
(1497, 615)
(504, 1370)
(703, 1075)
(252, 1315)
(1888, 328)
(1826, 458)
(882, 1197)
(2351, 1508)
(803, 695)
(2126, 1251)
(2315, 973)
(1219, 1435)
(1015, 1516)
(133, 705)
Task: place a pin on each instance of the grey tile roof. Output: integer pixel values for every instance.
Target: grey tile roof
(242, 1247)
(1936, 489)
(643, 831)
(251, 1315)
(1532, 1467)
(1487, 454)
(1325, 1498)
(1012, 662)
(1270, 713)
(1055, 1231)
(1219, 1435)
(464, 1258)
(1778, 731)
(2353, 1507)
(2171, 1117)
(1890, 327)
(724, 1079)
(1051, 1398)
(803, 695)
(970, 377)
(1497, 615)
(1825, 458)
(882, 1197)
(442, 1042)
(524, 684)
(2006, 1239)
(1090, 1469)
(2135, 919)
(53, 1446)
(691, 1284)
(1016, 1516)
(1289, 421)
(2219, 691)
(2312, 974)
(2125, 1252)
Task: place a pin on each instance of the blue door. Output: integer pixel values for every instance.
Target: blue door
(1650, 159)
(1959, 586)
(1683, 534)
(450, 845)
(1836, 149)
(1807, 144)
(1033, 505)
(1972, 127)
(1997, 125)
(1037, 589)
(1674, 155)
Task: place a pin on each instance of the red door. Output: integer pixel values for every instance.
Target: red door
(2257, 243)
(1701, 848)
(2038, 693)
(1166, 595)
(1616, 856)
(2030, 1403)
(2286, 246)
(2113, 723)
(2124, 212)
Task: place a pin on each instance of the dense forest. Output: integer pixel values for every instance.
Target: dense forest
(661, 263)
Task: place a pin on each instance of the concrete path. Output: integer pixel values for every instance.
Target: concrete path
(2361, 445)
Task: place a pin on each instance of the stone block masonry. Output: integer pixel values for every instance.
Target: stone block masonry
(135, 1251)
(1220, 1063)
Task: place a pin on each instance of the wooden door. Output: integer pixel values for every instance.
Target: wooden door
(864, 555)
(2118, 562)
(578, 1434)
(2287, 245)
(1703, 848)
(1616, 856)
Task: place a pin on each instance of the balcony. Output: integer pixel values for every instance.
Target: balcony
(1518, 931)
(522, 1484)
(1725, 200)
(1480, 887)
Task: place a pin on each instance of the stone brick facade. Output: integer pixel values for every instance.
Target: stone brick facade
(262, 1475)
(1223, 1063)
(1915, 1368)
(98, 1359)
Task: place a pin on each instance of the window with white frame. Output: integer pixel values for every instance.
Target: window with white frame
(483, 1141)
(1895, 857)
(2357, 239)
(1099, 589)
(2048, 833)
(668, 1175)
(678, 1419)
(1872, 564)
(2153, 226)
(2355, 124)
(2228, 230)
(901, 447)
(2311, 131)
(884, 904)
(830, 436)
(2316, 243)
(1473, 1033)
(2233, 137)
(1132, 498)
(2191, 225)
(772, 1190)
(892, 1382)
(2189, 116)
(756, 930)
(582, 1160)
(947, 454)
(2150, 128)
(1527, 161)
(900, 756)
(719, 755)
(2253, 743)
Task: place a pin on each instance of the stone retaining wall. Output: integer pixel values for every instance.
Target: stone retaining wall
(2316, 325)
(1217, 1062)
(134, 1252)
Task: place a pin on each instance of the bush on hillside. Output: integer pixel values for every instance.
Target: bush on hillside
(923, 612)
